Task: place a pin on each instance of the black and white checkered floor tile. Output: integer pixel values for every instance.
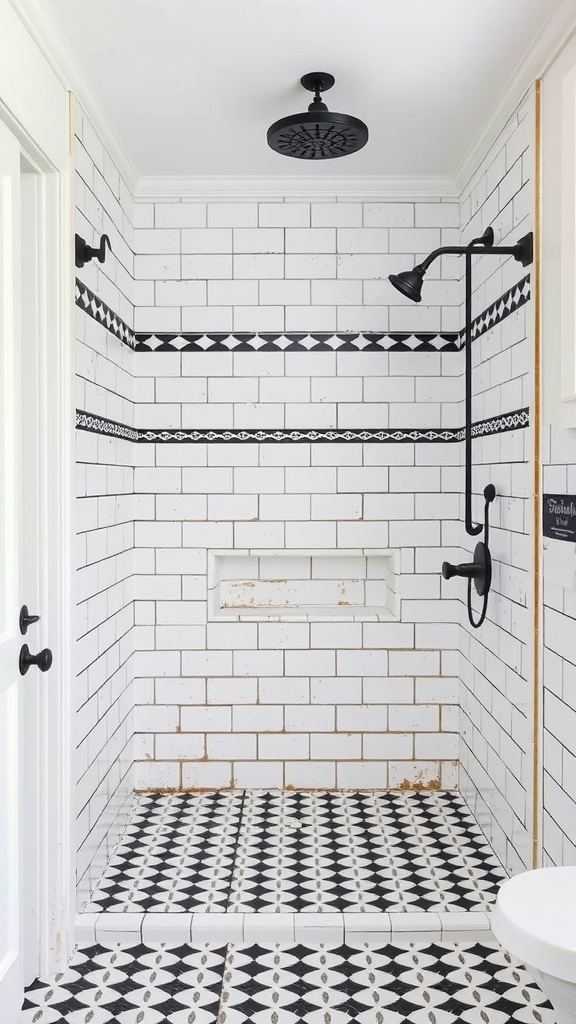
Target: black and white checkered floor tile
(300, 852)
(393, 984)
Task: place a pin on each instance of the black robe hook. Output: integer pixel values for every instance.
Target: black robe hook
(85, 252)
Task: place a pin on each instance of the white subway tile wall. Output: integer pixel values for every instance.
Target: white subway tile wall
(559, 662)
(311, 700)
(495, 664)
(105, 519)
(366, 693)
(285, 266)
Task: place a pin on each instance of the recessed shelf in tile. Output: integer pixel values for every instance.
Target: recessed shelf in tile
(306, 584)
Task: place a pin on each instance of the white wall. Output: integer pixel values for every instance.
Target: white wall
(496, 712)
(223, 710)
(105, 512)
(558, 736)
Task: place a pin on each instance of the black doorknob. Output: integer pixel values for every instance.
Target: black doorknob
(26, 620)
(43, 660)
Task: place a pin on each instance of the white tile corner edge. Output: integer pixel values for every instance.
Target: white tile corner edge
(85, 929)
(367, 928)
(116, 929)
(325, 928)
(271, 928)
(167, 927)
(217, 928)
(319, 928)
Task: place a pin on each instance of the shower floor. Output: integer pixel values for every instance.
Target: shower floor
(256, 852)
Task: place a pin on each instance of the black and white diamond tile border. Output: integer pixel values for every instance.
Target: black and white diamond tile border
(508, 303)
(290, 852)
(515, 420)
(424, 983)
(99, 311)
(317, 342)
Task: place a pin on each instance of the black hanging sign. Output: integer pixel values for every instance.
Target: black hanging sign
(559, 516)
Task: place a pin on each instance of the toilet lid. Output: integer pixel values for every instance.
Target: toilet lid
(535, 919)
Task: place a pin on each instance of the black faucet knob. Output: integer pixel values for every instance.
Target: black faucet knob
(466, 569)
(480, 570)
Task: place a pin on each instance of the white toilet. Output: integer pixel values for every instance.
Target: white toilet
(535, 920)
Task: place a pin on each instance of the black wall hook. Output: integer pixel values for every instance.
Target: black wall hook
(85, 252)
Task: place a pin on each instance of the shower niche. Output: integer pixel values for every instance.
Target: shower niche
(304, 584)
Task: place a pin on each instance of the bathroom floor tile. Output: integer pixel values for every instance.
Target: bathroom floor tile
(395, 983)
(284, 852)
(374, 852)
(176, 855)
(146, 983)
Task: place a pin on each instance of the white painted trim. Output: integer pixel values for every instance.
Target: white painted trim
(230, 187)
(50, 41)
(537, 59)
(57, 419)
(36, 109)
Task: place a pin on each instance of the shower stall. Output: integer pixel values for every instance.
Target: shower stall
(286, 719)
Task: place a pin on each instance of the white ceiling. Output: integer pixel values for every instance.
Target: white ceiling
(191, 86)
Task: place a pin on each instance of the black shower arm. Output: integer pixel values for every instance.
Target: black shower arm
(517, 251)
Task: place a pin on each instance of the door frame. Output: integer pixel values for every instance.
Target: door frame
(37, 109)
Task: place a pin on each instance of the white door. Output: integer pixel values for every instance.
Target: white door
(19, 576)
(36, 502)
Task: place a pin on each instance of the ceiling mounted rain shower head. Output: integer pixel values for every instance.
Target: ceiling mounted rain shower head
(317, 134)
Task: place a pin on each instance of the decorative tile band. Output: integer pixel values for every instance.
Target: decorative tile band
(483, 428)
(516, 420)
(314, 436)
(108, 428)
(508, 303)
(317, 342)
(99, 311)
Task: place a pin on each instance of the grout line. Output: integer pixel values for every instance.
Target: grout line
(235, 850)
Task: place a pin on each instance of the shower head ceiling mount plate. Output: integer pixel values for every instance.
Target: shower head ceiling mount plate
(317, 80)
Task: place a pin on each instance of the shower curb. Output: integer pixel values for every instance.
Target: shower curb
(126, 929)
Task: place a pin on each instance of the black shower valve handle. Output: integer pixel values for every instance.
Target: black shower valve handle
(470, 570)
(478, 570)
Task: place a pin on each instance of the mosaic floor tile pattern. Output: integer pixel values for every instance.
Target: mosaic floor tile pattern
(393, 984)
(300, 852)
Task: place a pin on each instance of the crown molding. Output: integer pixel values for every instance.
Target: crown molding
(46, 34)
(546, 46)
(293, 186)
